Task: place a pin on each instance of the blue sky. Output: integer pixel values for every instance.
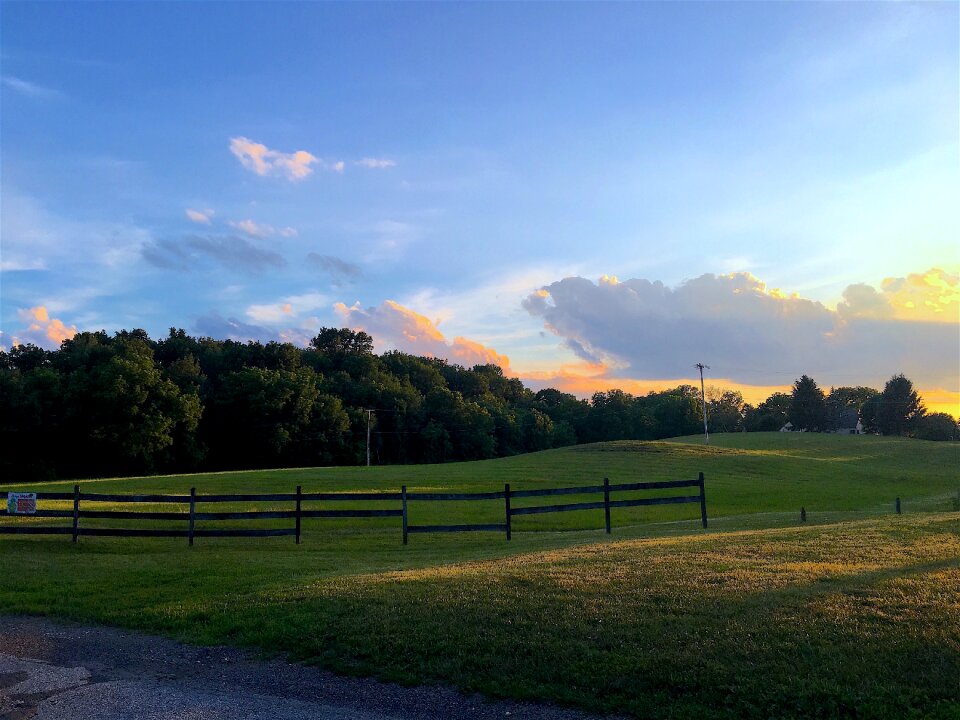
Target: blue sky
(458, 162)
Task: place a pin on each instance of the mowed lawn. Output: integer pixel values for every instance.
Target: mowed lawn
(853, 614)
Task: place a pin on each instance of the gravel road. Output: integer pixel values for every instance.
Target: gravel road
(52, 672)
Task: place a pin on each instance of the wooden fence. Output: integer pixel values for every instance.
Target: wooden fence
(299, 513)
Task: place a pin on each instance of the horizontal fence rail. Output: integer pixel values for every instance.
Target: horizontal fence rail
(190, 516)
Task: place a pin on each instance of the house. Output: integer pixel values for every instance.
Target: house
(849, 423)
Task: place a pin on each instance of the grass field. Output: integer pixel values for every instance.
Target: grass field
(854, 614)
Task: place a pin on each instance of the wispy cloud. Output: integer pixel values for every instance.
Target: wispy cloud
(203, 217)
(30, 89)
(375, 163)
(262, 160)
(340, 271)
(261, 230)
(229, 251)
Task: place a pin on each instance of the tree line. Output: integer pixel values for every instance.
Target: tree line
(126, 404)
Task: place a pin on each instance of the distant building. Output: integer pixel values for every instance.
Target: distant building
(787, 428)
(849, 423)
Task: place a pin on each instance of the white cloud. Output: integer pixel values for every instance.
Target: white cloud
(200, 216)
(264, 161)
(31, 89)
(261, 230)
(755, 335)
(375, 163)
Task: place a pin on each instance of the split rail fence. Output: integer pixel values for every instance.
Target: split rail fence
(299, 513)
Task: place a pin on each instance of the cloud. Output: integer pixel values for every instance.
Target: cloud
(41, 329)
(755, 335)
(375, 163)
(338, 270)
(394, 326)
(200, 216)
(261, 230)
(229, 251)
(30, 89)
(216, 326)
(263, 161)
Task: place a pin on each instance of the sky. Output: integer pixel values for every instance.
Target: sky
(590, 195)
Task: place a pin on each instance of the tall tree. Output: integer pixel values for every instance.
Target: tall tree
(807, 407)
(900, 407)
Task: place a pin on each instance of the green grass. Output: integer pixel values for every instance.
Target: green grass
(855, 614)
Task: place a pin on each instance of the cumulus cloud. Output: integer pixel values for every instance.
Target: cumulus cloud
(200, 216)
(375, 163)
(41, 329)
(263, 161)
(229, 251)
(340, 271)
(394, 326)
(261, 230)
(756, 335)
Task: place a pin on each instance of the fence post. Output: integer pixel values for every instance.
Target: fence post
(606, 503)
(193, 511)
(703, 502)
(76, 512)
(898, 506)
(403, 500)
(299, 493)
(803, 514)
(506, 504)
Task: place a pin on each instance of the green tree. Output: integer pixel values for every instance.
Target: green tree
(724, 410)
(807, 406)
(770, 415)
(938, 426)
(900, 407)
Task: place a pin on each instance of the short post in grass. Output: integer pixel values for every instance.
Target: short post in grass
(403, 501)
(703, 502)
(193, 512)
(506, 503)
(606, 503)
(76, 512)
(299, 493)
(899, 512)
(803, 514)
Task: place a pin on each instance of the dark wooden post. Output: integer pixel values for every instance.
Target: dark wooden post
(299, 493)
(403, 501)
(606, 503)
(803, 514)
(76, 512)
(193, 511)
(898, 506)
(703, 502)
(506, 504)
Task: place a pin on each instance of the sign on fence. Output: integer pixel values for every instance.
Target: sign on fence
(20, 503)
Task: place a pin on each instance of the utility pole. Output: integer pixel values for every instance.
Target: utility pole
(703, 402)
(369, 416)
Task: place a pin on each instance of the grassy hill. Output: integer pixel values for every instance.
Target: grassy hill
(855, 612)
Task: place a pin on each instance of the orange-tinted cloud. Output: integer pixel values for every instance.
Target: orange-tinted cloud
(42, 330)
(264, 161)
(200, 216)
(933, 296)
(394, 326)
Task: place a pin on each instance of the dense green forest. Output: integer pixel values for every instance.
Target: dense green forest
(125, 404)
